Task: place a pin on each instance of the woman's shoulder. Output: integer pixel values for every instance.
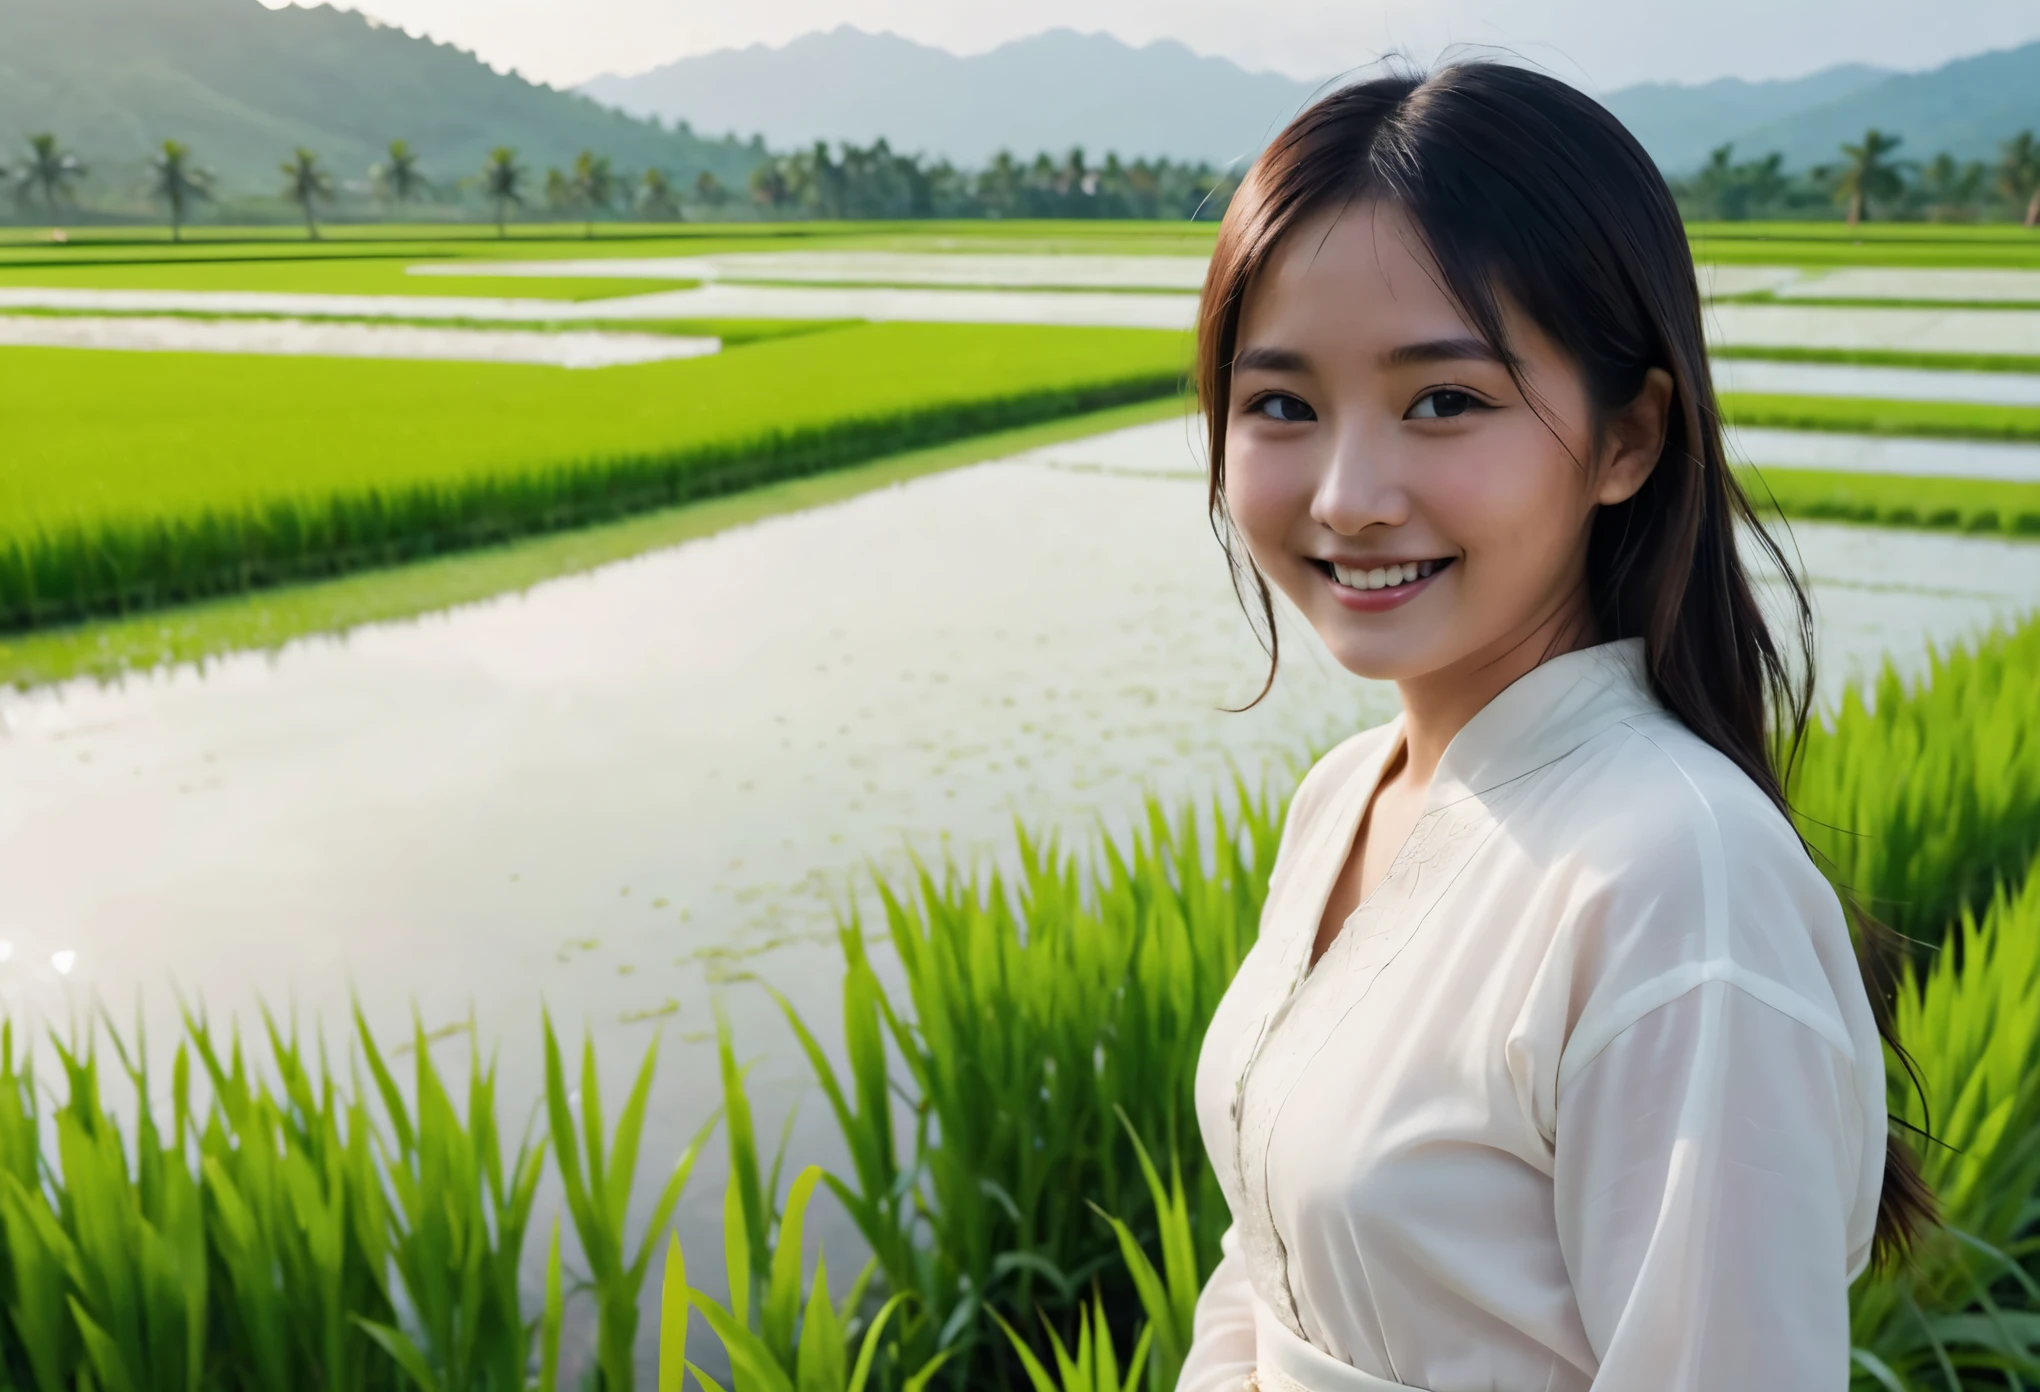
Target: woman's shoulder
(1660, 798)
(1679, 870)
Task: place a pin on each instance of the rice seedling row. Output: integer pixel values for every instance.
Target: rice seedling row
(1985, 506)
(412, 460)
(1884, 357)
(1866, 416)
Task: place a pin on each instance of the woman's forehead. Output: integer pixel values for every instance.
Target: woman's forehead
(1357, 271)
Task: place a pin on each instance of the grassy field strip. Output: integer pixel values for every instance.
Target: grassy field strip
(297, 338)
(1897, 500)
(566, 240)
(1743, 376)
(270, 619)
(1873, 416)
(1813, 299)
(1816, 254)
(1883, 357)
(294, 469)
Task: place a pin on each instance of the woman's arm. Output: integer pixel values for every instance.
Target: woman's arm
(1222, 1342)
(1705, 1162)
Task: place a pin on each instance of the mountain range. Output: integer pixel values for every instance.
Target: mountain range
(243, 86)
(1050, 91)
(1060, 88)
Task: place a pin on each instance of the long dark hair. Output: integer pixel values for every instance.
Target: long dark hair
(1524, 187)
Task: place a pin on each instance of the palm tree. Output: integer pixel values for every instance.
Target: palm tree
(49, 171)
(306, 185)
(1951, 188)
(1868, 175)
(710, 190)
(398, 178)
(559, 191)
(178, 182)
(594, 185)
(503, 183)
(655, 195)
(2019, 174)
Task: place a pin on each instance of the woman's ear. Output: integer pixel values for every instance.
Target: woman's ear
(1636, 437)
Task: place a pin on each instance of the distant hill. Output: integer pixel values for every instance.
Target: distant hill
(242, 85)
(1681, 125)
(1968, 107)
(1048, 92)
(1061, 88)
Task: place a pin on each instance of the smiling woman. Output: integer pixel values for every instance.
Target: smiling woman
(1552, 1065)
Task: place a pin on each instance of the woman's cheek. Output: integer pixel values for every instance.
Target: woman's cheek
(1255, 494)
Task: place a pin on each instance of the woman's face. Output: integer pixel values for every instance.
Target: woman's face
(1387, 473)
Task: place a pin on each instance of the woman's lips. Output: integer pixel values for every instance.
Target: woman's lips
(1390, 594)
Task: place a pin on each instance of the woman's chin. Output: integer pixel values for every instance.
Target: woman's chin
(1382, 656)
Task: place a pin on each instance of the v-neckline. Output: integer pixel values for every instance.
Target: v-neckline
(1349, 825)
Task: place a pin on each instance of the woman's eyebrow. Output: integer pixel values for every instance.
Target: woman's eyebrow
(1271, 360)
(1441, 350)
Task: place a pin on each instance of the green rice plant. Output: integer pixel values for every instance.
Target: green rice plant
(457, 1227)
(1896, 500)
(1169, 1297)
(597, 1171)
(1966, 1307)
(1094, 1367)
(1956, 420)
(107, 1277)
(775, 1342)
(298, 1217)
(1921, 795)
(430, 458)
(1881, 357)
(1043, 1008)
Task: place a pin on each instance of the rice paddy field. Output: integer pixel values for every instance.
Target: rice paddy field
(526, 875)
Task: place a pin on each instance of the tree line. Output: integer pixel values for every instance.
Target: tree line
(854, 182)
(876, 181)
(1870, 180)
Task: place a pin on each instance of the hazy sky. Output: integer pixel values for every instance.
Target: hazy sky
(1600, 44)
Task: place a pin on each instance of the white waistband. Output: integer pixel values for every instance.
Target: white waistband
(1289, 1364)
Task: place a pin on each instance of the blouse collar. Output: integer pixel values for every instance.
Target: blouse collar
(1544, 715)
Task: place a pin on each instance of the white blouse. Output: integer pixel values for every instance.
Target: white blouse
(1586, 1093)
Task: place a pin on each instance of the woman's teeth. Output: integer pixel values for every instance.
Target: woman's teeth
(1383, 577)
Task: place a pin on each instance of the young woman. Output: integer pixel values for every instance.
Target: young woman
(1553, 1067)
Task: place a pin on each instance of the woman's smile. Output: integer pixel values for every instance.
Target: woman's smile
(1372, 586)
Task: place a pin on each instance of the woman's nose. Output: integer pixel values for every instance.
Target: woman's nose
(1362, 483)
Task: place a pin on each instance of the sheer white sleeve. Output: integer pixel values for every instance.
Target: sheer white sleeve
(1222, 1341)
(1704, 1165)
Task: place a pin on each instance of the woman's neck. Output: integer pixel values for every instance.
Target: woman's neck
(1438, 705)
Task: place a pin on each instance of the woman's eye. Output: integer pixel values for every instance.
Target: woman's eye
(1284, 408)
(1445, 401)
